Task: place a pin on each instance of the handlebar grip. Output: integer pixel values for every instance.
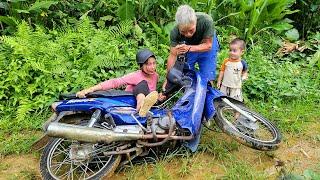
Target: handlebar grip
(68, 96)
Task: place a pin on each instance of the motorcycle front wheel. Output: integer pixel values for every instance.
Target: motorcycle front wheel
(260, 135)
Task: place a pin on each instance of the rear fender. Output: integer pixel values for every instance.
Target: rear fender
(90, 104)
(120, 108)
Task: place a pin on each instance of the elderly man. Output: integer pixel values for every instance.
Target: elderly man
(196, 30)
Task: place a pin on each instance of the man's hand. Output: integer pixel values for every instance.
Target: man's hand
(181, 49)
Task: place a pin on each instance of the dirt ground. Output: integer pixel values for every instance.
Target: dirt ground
(295, 155)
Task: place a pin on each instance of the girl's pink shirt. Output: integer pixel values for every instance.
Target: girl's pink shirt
(131, 80)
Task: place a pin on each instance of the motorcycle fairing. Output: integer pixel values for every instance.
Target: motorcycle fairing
(209, 109)
(88, 104)
(188, 110)
(120, 107)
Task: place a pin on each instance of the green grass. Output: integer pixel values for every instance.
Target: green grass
(17, 142)
(291, 117)
(236, 169)
(160, 172)
(25, 174)
(215, 159)
(4, 166)
(134, 173)
(217, 152)
(214, 144)
(307, 174)
(186, 165)
(17, 136)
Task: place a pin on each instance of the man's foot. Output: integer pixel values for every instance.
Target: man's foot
(148, 102)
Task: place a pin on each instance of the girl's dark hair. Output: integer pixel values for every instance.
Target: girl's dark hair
(239, 41)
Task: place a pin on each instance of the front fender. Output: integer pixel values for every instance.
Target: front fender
(188, 110)
(212, 95)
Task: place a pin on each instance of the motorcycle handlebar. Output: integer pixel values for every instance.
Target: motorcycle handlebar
(67, 96)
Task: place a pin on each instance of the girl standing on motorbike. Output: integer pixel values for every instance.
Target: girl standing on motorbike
(142, 83)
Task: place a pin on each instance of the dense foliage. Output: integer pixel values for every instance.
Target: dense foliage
(249, 17)
(252, 17)
(280, 78)
(307, 19)
(37, 65)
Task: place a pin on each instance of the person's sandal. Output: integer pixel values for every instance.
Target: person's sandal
(148, 102)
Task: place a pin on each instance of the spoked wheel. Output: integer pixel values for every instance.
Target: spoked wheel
(65, 159)
(261, 135)
(69, 159)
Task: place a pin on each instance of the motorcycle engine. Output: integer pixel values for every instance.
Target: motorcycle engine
(159, 125)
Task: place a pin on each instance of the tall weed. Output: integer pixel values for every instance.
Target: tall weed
(307, 20)
(253, 17)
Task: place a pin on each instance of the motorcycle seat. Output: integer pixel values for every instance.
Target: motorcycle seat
(109, 93)
(96, 94)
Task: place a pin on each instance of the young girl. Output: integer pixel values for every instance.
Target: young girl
(142, 83)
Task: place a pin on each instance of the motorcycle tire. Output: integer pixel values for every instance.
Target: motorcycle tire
(58, 162)
(50, 169)
(261, 135)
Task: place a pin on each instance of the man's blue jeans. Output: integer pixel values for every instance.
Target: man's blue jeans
(206, 60)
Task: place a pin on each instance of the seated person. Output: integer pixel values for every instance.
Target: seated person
(142, 83)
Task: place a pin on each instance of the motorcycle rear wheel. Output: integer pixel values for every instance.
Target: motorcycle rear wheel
(69, 159)
(57, 164)
(261, 135)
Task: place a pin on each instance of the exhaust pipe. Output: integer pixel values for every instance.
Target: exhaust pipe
(89, 134)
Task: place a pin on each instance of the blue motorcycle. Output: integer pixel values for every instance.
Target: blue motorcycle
(89, 138)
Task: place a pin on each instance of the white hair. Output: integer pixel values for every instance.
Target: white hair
(185, 15)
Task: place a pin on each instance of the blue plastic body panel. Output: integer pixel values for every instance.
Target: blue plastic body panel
(197, 102)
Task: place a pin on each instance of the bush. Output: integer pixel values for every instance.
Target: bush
(274, 78)
(37, 65)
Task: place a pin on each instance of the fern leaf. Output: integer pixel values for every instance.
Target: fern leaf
(23, 109)
(123, 28)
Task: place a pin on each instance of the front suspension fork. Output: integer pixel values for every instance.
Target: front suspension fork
(239, 110)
